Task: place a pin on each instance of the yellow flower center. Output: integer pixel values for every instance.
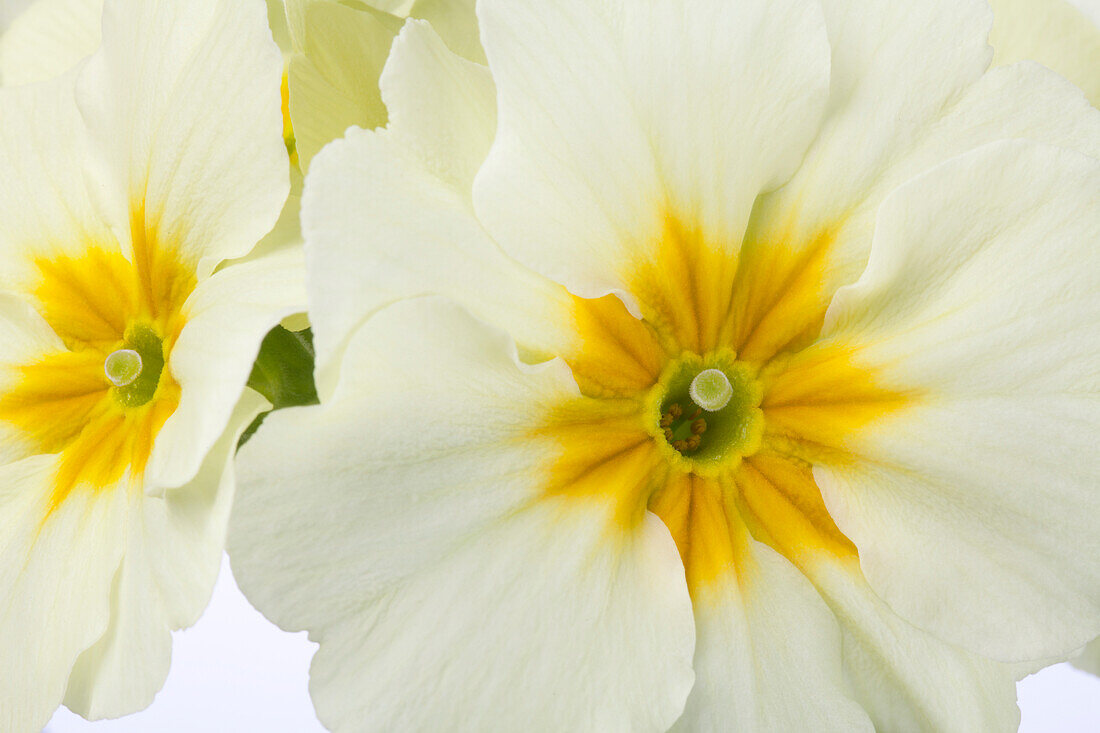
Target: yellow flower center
(712, 409)
(707, 441)
(101, 396)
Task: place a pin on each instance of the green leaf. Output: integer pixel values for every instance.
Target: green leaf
(283, 373)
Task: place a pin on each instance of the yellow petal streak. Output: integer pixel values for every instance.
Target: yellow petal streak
(62, 401)
(686, 290)
(764, 303)
(698, 513)
(783, 505)
(288, 127)
(817, 399)
(780, 296)
(616, 354)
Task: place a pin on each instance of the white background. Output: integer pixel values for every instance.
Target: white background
(236, 673)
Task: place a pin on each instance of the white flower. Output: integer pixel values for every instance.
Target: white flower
(10, 10)
(1052, 32)
(1089, 659)
(339, 50)
(131, 183)
(48, 39)
(1061, 37)
(507, 514)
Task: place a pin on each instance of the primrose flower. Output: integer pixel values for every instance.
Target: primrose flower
(9, 10)
(338, 51)
(1053, 32)
(1089, 660)
(1062, 38)
(707, 366)
(131, 185)
(53, 36)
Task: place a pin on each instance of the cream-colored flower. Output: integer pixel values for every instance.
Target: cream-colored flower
(10, 10)
(1063, 38)
(49, 39)
(1089, 659)
(339, 50)
(1052, 32)
(527, 502)
(130, 184)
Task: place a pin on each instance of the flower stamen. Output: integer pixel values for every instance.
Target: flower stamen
(685, 434)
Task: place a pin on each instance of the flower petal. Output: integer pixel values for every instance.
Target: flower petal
(895, 66)
(26, 337)
(881, 134)
(340, 52)
(173, 553)
(615, 117)
(50, 38)
(403, 523)
(55, 579)
(228, 317)
(11, 10)
(1052, 32)
(456, 23)
(975, 510)
(44, 193)
(442, 104)
(1089, 659)
(184, 100)
(768, 655)
(388, 214)
(905, 678)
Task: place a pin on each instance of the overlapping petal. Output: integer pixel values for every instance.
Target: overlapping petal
(208, 181)
(970, 309)
(56, 577)
(908, 92)
(768, 656)
(228, 316)
(50, 38)
(339, 50)
(176, 156)
(1052, 32)
(45, 197)
(906, 678)
(974, 510)
(435, 520)
(388, 213)
(603, 138)
(333, 76)
(174, 545)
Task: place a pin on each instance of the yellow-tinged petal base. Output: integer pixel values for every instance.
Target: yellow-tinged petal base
(635, 436)
(98, 302)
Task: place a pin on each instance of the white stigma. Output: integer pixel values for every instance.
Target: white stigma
(122, 367)
(711, 390)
